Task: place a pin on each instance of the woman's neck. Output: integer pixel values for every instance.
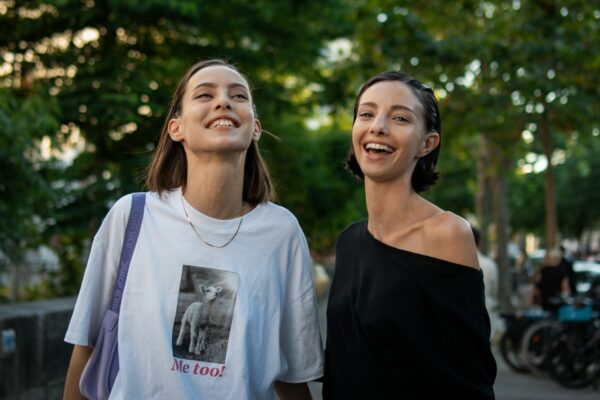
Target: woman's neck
(215, 187)
(390, 205)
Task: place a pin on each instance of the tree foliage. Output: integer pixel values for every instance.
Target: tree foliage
(25, 119)
(81, 134)
(109, 67)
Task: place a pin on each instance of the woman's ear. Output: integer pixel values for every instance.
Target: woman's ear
(430, 142)
(257, 130)
(175, 129)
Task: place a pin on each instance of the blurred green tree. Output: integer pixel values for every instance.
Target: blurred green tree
(27, 116)
(498, 78)
(513, 79)
(108, 69)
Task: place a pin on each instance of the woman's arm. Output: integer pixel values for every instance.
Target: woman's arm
(79, 359)
(292, 391)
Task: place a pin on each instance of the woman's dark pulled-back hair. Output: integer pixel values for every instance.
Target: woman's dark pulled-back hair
(424, 175)
(168, 168)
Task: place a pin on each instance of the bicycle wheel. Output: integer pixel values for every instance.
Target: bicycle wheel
(509, 348)
(535, 344)
(574, 364)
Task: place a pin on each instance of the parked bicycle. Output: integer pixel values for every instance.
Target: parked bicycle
(574, 357)
(538, 337)
(567, 346)
(510, 343)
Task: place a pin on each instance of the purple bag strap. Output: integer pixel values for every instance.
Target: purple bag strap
(134, 223)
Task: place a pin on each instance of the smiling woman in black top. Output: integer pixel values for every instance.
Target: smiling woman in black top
(406, 317)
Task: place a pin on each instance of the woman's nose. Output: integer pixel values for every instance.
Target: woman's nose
(378, 127)
(222, 102)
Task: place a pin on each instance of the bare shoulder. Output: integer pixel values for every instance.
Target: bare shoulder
(451, 239)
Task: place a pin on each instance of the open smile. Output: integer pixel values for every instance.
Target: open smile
(223, 122)
(378, 148)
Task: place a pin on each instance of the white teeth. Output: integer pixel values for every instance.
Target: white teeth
(221, 122)
(377, 146)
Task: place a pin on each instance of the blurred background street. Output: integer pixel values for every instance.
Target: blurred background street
(84, 90)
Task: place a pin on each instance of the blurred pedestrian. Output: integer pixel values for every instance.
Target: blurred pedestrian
(551, 282)
(489, 268)
(406, 317)
(215, 258)
(567, 265)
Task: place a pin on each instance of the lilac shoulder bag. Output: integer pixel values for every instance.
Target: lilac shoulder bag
(99, 374)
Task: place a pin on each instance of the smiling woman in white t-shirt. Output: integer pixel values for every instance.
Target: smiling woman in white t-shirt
(219, 301)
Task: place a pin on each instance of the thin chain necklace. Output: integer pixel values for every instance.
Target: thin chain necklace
(218, 246)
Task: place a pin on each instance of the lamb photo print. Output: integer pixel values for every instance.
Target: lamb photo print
(204, 314)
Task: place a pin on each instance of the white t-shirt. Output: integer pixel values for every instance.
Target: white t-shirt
(490, 279)
(254, 302)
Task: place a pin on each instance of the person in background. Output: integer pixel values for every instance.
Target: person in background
(489, 268)
(213, 254)
(406, 317)
(551, 282)
(567, 266)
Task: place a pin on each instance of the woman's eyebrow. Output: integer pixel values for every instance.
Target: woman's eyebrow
(401, 107)
(395, 107)
(212, 85)
(237, 85)
(368, 104)
(205, 84)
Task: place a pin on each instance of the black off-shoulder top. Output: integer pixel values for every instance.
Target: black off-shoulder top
(402, 325)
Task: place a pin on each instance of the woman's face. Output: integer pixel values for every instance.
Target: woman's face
(388, 134)
(216, 113)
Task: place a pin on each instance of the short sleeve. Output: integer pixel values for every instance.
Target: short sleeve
(99, 277)
(300, 337)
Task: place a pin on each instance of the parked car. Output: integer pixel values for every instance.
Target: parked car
(587, 275)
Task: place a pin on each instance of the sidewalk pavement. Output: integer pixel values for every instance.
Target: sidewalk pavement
(514, 386)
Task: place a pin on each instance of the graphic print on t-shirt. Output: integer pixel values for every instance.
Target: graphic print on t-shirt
(204, 314)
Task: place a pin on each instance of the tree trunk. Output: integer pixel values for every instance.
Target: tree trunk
(15, 283)
(500, 203)
(482, 209)
(549, 195)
